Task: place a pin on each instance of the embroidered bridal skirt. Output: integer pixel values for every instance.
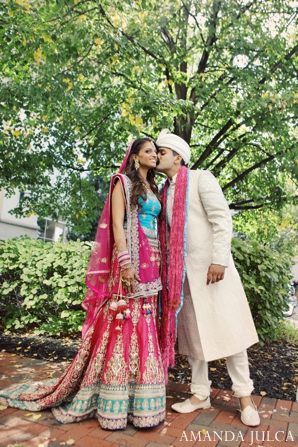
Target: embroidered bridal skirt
(116, 376)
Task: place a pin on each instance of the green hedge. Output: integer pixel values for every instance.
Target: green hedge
(266, 275)
(42, 285)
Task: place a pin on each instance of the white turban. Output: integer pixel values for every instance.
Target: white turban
(177, 144)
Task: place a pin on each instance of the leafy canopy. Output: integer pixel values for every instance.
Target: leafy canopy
(80, 78)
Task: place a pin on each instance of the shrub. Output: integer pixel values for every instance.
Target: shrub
(286, 332)
(42, 285)
(266, 275)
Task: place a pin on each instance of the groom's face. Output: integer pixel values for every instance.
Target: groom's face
(166, 159)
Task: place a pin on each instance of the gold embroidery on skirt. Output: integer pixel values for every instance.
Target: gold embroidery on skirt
(116, 373)
(135, 315)
(134, 358)
(153, 368)
(97, 365)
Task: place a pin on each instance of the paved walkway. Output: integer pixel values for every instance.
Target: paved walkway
(218, 426)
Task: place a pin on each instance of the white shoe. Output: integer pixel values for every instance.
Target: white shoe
(187, 407)
(250, 416)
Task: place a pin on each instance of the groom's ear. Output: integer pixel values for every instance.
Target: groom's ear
(178, 159)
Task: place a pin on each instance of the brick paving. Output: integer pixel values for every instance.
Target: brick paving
(218, 426)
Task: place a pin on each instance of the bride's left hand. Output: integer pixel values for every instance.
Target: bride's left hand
(128, 277)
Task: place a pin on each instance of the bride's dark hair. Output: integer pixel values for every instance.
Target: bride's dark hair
(138, 185)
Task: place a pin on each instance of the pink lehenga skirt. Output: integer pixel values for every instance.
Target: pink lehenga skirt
(116, 376)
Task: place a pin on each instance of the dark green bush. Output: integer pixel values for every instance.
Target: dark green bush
(266, 275)
(42, 285)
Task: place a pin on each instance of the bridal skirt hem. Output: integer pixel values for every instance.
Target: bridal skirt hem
(117, 375)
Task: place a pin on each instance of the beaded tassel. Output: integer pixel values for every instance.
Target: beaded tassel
(123, 313)
(120, 321)
(127, 315)
(113, 308)
(146, 308)
(121, 305)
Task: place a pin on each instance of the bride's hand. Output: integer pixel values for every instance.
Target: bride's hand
(128, 277)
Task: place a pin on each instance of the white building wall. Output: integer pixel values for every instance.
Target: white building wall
(11, 226)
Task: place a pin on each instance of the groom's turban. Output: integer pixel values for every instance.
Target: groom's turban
(175, 143)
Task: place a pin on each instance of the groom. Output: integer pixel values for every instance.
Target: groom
(200, 282)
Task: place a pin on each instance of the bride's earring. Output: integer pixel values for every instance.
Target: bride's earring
(137, 164)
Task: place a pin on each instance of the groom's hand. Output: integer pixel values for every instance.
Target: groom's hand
(215, 273)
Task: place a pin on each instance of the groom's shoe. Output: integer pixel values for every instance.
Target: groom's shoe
(187, 407)
(250, 416)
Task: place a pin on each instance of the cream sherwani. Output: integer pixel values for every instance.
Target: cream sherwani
(215, 320)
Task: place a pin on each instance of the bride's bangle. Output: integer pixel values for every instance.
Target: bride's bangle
(126, 268)
(123, 258)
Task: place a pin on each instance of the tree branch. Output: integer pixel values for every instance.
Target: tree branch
(168, 76)
(243, 202)
(202, 125)
(73, 168)
(96, 126)
(89, 170)
(209, 42)
(128, 81)
(280, 63)
(79, 13)
(196, 22)
(214, 143)
(128, 37)
(232, 153)
(248, 207)
(220, 152)
(238, 205)
(75, 63)
(168, 39)
(71, 8)
(256, 166)
(224, 76)
(215, 171)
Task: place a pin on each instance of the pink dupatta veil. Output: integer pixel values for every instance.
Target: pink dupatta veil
(102, 264)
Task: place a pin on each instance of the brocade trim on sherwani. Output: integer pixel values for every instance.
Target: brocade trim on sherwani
(117, 374)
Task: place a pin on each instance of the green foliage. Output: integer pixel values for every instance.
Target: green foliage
(277, 228)
(266, 275)
(81, 78)
(42, 285)
(88, 232)
(287, 332)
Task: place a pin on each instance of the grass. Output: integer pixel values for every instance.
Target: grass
(287, 333)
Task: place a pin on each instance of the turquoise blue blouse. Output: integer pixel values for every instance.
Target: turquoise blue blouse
(148, 212)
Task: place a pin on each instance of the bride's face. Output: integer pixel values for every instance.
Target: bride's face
(147, 156)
